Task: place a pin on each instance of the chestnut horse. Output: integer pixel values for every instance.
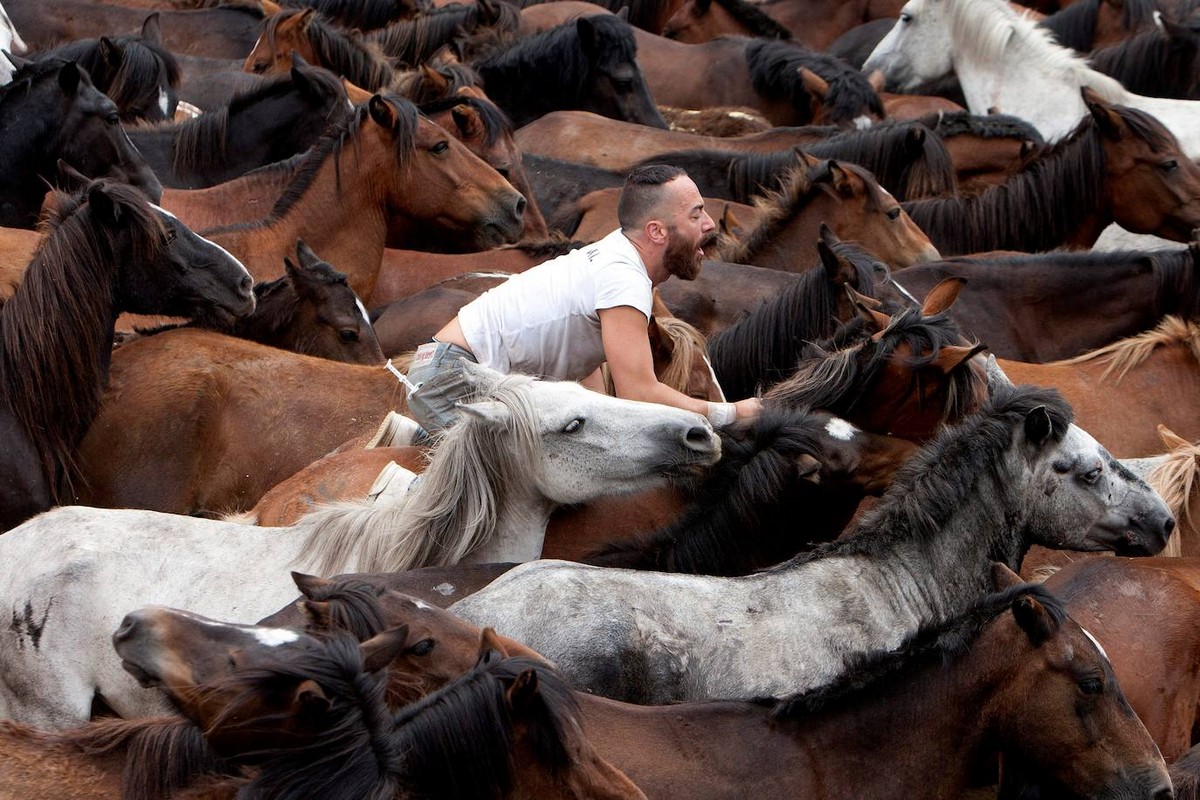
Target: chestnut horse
(1121, 392)
(105, 251)
(1119, 165)
(397, 164)
(841, 195)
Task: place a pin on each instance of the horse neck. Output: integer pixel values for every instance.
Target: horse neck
(520, 530)
(793, 233)
(1178, 285)
(343, 215)
(274, 321)
(24, 158)
(939, 575)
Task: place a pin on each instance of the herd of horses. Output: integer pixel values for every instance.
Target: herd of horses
(956, 555)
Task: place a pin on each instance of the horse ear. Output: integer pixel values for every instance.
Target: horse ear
(316, 612)
(110, 52)
(489, 13)
(942, 296)
(489, 412)
(836, 176)
(435, 79)
(72, 178)
(311, 585)
(730, 225)
(1038, 425)
(914, 139)
(1034, 619)
(1003, 577)
(383, 113)
(623, 13)
(837, 270)
(865, 306)
(816, 86)
(659, 344)
(16, 60)
(489, 641)
(151, 32)
(301, 80)
(466, 119)
(524, 691)
(808, 468)
(308, 259)
(951, 357)
(877, 80)
(381, 650)
(1171, 439)
(587, 35)
(107, 209)
(355, 94)
(1107, 119)
(311, 697)
(269, 9)
(700, 7)
(68, 77)
(995, 375)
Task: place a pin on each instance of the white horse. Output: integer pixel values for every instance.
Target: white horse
(10, 41)
(71, 574)
(1004, 61)
(1015, 475)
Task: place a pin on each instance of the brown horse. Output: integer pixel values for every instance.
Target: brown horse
(985, 151)
(1146, 614)
(1121, 392)
(398, 165)
(1086, 25)
(817, 23)
(841, 195)
(1119, 165)
(193, 421)
(703, 20)
(518, 711)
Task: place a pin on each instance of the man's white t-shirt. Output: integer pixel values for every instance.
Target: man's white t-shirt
(544, 321)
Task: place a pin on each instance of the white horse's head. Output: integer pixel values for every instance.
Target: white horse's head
(917, 49)
(10, 40)
(586, 444)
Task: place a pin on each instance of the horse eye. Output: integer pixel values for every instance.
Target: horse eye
(169, 237)
(423, 647)
(348, 335)
(894, 214)
(1169, 165)
(440, 148)
(1092, 476)
(113, 119)
(905, 17)
(574, 425)
(259, 67)
(1092, 686)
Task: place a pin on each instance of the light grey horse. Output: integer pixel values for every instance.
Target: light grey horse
(1015, 475)
(524, 447)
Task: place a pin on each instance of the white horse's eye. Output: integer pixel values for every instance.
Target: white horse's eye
(574, 425)
(1092, 476)
(905, 17)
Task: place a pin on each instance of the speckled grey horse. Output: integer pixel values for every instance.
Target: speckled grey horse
(1015, 475)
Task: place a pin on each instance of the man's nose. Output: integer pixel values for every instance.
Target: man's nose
(707, 224)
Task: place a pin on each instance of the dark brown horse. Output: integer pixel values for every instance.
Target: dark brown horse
(105, 251)
(51, 112)
(1040, 308)
(1119, 165)
(703, 20)
(1088, 24)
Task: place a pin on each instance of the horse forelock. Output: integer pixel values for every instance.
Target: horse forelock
(353, 607)
(1128, 353)
(458, 741)
(56, 331)
(775, 70)
(348, 53)
(414, 41)
(942, 643)
(496, 123)
(142, 64)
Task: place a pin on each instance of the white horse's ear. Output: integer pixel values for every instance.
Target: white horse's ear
(489, 411)
(995, 375)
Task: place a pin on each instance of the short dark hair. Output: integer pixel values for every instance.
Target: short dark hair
(642, 193)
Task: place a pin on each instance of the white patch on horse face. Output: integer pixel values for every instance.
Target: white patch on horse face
(1096, 642)
(421, 604)
(840, 429)
(273, 637)
(163, 100)
(208, 241)
(712, 373)
(862, 123)
(362, 310)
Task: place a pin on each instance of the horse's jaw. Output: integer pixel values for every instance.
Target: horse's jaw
(519, 533)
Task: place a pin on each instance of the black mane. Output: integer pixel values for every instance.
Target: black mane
(941, 643)
(948, 124)
(1041, 206)
(1075, 25)
(1154, 63)
(134, 79)
(412, 42)
(365, 15)
(764, 347)
(760, 25)
(933, 485)
(775, 73)
(744, 514)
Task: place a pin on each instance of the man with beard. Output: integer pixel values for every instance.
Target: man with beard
(564, 318)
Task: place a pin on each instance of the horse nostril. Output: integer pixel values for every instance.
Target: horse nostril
(698, 438)
(521, 203)
(247, 285)
(1168, 526)
(125, 630)
(1164, 794)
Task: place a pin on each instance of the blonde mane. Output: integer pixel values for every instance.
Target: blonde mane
(450, 512)
(1175, 480)
(1128, 353)
(685, 342)
(775, 208)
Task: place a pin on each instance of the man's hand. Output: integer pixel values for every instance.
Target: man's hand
(748, 408)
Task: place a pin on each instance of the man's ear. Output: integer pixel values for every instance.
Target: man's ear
(656, 231)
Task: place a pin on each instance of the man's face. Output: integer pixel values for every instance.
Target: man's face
(689, 230)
